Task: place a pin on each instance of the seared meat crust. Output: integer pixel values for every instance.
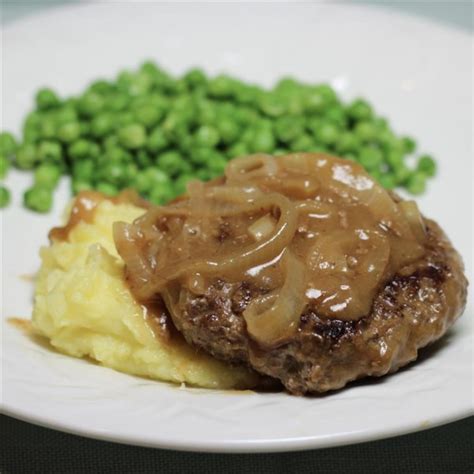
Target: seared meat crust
(413, 309)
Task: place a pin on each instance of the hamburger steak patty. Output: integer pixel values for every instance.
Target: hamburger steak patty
(413, 309)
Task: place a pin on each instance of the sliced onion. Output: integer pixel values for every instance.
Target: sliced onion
(140, 274)
(412, 213)
(262, 227)
(348, 268)
(251, 167)
(273, 318)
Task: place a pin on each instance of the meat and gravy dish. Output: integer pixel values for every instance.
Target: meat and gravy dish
(299, 269)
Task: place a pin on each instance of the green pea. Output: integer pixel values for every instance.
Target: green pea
(238, 149)
(38, 199)
(376, 174)
(8, 144)
(150, 68)
(47, 176)
(228, 130)
(113, 173)
(288, 128)
(65, 114)
(77, 186)
(327, 134)
(401, 175)
(370, 157)
(143, 159)
(102, 87)
(409, 144)
(117, 155)
(102, 124)
(302, 143)
(327, 92)
(160, 102)
(221, 86)
(132, 136)
(142, 182)
(247, 94)
(180, 185)
(203, 174)
(315, 102)
(288, 85)
(130, 171)
(387, 181)
(111, 141)
(217, 164)
(30, 136)
(171, 162)
(386, 139)
(262, 141)
(47, 128)
(26, 157)
(336, 115)
(426, 165)
(183, 106)
(156, 176)
(49, 150)
(271, 104)
(124, 119)
(46, 99)
(90, 104)
(246, 116)
(186, 145)
(416, 183)
(69, 132)
(365, 131)
(396, 146)
(124, 79)
(79, 149)
(141, 83)
(195, 77)
(173, 124)
(33, 119)
(107, 188)
(148, 115)
(5, 197)
(201, 156)
(382, 124)
(359, 110)
(83, 170)
(161, 193)
(206, 136)
(117, 102)
(347, 142)
(94, 150)
(157, 140)
(85, 128)
(4, 166)
(395, 160)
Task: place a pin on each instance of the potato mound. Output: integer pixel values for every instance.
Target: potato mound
(83, 306)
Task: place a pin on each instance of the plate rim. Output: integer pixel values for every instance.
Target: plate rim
(251, 446)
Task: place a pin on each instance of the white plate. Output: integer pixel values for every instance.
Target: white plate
(417, 73)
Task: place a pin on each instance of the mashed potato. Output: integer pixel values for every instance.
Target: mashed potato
(83, 306)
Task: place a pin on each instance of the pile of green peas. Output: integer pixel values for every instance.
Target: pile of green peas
(153, 132)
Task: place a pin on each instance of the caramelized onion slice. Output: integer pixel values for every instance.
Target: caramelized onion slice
(126, 242)
(262, 227)
(413, 216)
(273, 318)
(251, 167)
(343, 257)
